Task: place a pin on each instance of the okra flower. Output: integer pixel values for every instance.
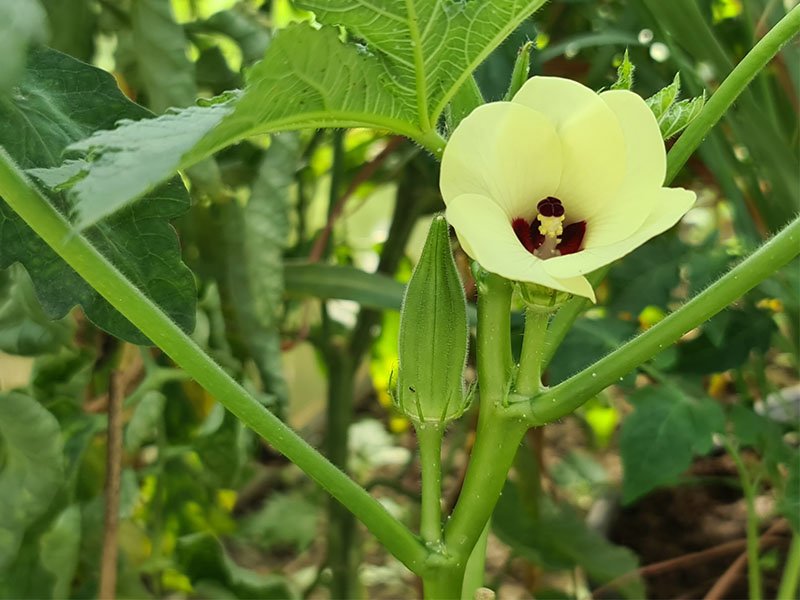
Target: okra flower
(558, 182)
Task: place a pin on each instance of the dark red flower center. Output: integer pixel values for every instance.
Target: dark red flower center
(568, 238)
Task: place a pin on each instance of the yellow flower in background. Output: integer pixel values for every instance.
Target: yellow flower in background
(558, 182)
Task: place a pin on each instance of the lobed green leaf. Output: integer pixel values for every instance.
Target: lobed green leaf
(60, 101)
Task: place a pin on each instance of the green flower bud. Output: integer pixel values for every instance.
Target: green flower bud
(433, 335)
(541, 298)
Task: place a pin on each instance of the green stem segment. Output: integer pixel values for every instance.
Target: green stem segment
(749, 489)
(476, 565)
(34, 209)
(791, 571)
(499, 433)
(561, 400)
(429, 439)
(729, 90)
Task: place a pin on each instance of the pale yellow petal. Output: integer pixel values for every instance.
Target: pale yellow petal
(646, 155)
(646, 166)
(671, 204)
(487, 236)
(505, 152)
(593, 145)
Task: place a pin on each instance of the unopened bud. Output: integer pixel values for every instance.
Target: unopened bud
(433, 335)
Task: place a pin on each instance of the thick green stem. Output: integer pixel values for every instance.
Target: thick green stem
(498, 434)
(33, 208)
(564, 398)
(791, 572)
(753, 566)
(495, 362)
(429, 439)
(441, 582)
(729, 90)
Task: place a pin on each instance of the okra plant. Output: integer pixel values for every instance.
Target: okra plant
(543, 191)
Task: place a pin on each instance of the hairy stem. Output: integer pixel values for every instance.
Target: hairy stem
(20, 194)
(499, 433)
(559, 401)
(429, 439)
(729, 90)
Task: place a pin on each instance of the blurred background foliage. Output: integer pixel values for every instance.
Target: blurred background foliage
(655, 468)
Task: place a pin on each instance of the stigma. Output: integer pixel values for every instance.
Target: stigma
(551, 217)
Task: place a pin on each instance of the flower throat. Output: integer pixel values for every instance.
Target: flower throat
(547, 236)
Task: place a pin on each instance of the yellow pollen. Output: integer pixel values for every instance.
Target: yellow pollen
(551, 227)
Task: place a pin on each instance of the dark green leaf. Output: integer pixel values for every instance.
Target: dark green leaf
(740, 332)
(588, 341)
(59, 549)
(72, 26)
(400, 81)
(285, 521)
(31, 469)
(60, 101)
(662, 435)
(254, 237)
(647, 276)
(764, 435)
(24, 328)
(160, 46)
(560, 540)
(242, 27)
(203, 559)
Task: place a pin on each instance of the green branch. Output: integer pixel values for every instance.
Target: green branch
(729, 90)
(36, 211)
(564, 398)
